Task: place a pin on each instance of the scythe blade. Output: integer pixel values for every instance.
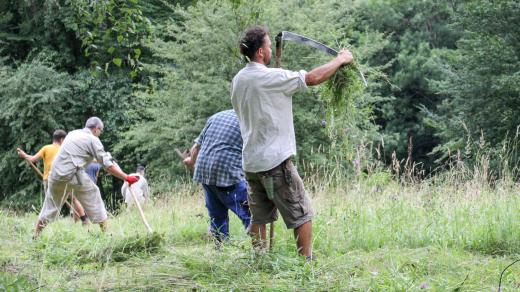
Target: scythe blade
(291, 36)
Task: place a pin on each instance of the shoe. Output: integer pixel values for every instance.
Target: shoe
(310, 258)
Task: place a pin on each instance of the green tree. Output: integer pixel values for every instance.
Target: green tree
(102, 35)
(200, 57)
(50, 50)
(414, 30)
(481, 83)
(39, 99)
(32, 95)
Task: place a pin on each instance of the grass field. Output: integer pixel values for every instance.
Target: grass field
(372, 234)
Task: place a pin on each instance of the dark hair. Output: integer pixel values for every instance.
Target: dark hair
(252, 40)
(140, 168)
(58, 135)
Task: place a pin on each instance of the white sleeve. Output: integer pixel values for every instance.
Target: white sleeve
(288, 82)
(124, 189)
(104, 158)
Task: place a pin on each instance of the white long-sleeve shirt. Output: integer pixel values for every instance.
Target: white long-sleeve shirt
(140, 189)
(79, 149)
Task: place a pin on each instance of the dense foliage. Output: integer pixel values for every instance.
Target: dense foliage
(52, 52)
(442, 79)
(204, 51)
(414, 29)
(481, 88)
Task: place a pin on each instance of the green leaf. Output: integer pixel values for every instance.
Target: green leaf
(119, 38)
(137, 53)
(111, 50)
(117, 61)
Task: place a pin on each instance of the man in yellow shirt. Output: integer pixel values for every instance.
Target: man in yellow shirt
(47, 153)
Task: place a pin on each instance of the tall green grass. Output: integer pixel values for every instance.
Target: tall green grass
(374, 231)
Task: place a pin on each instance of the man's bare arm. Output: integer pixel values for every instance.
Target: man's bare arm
(194, 153)
(325, 71)
(31, 158)
(116, 171)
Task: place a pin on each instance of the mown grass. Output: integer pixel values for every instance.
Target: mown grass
(370, 234)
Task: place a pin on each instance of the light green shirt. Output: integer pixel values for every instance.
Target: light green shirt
(262, 100)
(78, 150)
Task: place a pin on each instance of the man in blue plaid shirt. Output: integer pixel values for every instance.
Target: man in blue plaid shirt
(217, 157)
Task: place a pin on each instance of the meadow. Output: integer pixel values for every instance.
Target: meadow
(371, 233)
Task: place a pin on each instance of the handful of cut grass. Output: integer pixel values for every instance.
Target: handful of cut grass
(340, 95)
(343, 87)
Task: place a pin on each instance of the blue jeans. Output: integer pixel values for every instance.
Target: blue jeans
(221, 199)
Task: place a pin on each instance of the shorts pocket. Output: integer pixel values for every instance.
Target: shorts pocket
(285, 190)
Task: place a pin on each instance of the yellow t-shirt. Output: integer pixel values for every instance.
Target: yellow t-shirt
(47, 153)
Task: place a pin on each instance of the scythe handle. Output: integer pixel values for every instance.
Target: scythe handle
(35, 168)
(271, 236)
(140, 209)
(278, 54)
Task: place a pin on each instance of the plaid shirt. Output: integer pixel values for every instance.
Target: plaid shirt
(219, 161)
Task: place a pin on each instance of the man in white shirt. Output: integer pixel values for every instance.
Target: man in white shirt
(140, 189)
(262, 99)
(79, 148)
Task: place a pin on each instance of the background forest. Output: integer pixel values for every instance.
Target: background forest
(414, 179)
(444, 82)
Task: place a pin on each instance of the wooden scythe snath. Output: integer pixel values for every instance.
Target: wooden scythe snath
(143, 218)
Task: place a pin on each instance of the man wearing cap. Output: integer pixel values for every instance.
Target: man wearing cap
(78, 149)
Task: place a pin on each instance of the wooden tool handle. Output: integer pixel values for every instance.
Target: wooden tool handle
(140, 210)
(35, 168)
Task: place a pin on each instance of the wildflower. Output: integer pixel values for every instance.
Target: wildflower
(323, 123)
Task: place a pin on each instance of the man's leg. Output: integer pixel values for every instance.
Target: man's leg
(80, 211)
(40, 224)
(236, 201)
(103, 225)
(303, 235)
(263, 210)
(258, 236)
(54, 199)
(294, 205)
(218, 213)
(90, 198)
